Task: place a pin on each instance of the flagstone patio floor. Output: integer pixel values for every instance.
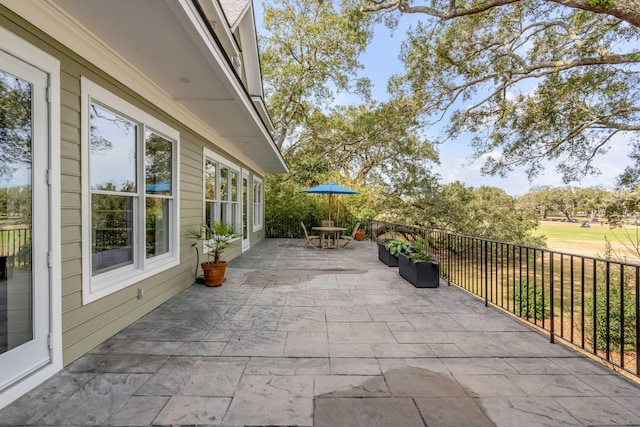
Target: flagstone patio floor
(305, 337)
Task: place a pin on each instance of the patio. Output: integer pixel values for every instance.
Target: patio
(328, 338)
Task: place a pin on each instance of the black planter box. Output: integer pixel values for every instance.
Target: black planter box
(422, 274)
(385, 256)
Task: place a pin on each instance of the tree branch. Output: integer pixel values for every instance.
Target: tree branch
(625, 10)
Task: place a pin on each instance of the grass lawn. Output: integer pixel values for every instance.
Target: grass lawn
(571, 238)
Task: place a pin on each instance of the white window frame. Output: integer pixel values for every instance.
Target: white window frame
(258, 205)
(99, 286)
(231, 167)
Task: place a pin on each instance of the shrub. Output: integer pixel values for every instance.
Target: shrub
(529, 302)
(620, 309)
(596, 316)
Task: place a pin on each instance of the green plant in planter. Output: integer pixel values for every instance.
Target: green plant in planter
(420, 250)
(396, 247)
(216, 237)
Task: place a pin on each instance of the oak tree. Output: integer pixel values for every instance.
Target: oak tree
(530, 80)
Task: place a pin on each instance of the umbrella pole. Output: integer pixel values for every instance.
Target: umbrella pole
(330, 207)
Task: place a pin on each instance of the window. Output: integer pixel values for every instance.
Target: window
(131, 222)
(258, 213)
(222, 190)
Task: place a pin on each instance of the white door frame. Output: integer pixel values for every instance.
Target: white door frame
(33, 56)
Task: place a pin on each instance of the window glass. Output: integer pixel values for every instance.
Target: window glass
(113, 151)
(112, 237)
(257, 204)
(234, 186)
(234, 213)
(210, 212)
(224, 177)
(210, 180)
(157, 226)
(224, 212)
(157, 164)
(113, 172)
(226, 185)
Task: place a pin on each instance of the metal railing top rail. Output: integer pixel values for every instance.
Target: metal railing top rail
(484, 239)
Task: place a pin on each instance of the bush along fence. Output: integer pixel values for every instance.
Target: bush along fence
(590, 303)
(289, 228)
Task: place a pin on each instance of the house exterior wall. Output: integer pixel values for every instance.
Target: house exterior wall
(84, 326)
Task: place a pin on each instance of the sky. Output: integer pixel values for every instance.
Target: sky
(380, 61)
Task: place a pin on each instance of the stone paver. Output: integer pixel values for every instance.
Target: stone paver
(328, 338)
(376, 412)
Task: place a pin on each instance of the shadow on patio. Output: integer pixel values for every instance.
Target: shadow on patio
(328, 338)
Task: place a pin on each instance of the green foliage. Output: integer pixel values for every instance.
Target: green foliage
(420, 250)
(396, 247)
(529, 302)
(531, 81)
(309, 51)
(601, 3)
(216, 237)
(607, 302)
(15, 204)
(482, 212)
(621, 205)
(369, 144)
(15, 125)
(285, 207)
(618, 308)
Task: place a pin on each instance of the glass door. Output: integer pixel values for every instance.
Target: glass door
(24, 205)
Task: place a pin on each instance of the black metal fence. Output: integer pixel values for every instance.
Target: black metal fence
(15, 249)
(291, 228)
(588, 302)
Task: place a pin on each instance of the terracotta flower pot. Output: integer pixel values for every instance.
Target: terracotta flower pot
(360, 235)
(214, 273)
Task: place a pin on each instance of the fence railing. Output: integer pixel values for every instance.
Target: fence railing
(15, 249)
(290, 228)
(588, 302)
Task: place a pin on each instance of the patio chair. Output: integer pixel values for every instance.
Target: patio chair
(310, 239)
(351, 238)
(327, 223)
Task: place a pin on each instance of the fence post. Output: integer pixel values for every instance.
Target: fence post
(552, 322)
(486, 275)
(637, 320)
(448, 259)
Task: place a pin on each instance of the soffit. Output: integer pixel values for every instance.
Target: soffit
(160, 40)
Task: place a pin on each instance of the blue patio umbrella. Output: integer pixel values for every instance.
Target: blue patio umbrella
(159, 187)
(330, 188)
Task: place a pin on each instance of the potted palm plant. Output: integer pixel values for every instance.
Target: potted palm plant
(216, 237)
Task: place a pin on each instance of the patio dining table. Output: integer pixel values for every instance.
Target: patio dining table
(333, 233)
